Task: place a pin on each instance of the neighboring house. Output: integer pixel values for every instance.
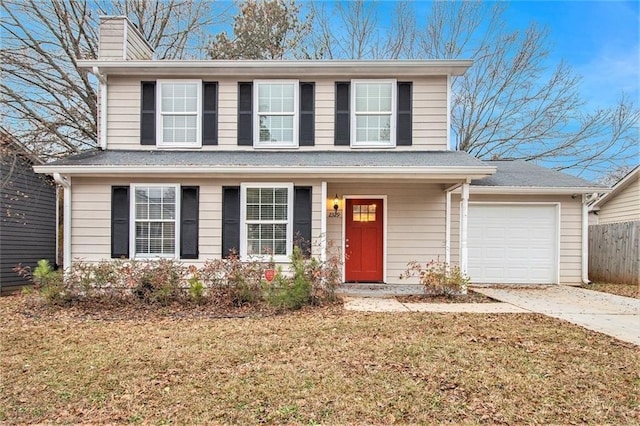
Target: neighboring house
(27, 214)
(202, 157)
(622, 204)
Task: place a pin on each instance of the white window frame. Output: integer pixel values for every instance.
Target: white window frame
(160, 116)
(243, 221)
(257, 114)
(132, 220)
(354, 114)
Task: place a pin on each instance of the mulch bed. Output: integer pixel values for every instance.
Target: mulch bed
(470, 297)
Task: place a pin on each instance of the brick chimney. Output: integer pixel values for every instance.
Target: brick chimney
(120, 39)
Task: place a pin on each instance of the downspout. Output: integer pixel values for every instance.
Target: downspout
(585, 240)
(65, 182)
(102, 92)
(323, 222)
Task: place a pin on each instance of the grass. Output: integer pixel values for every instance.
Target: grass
(321, 365)
(628, 290)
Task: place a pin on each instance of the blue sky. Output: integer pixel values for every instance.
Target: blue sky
(599, 39)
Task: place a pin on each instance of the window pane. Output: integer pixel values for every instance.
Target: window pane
(280, 195)
(276, 128)
(266, 195)
(373, 97)
(276, 97)
(179, 97)
(280, 213)
(155, 211)
(253, 231)
(180, 128)
(280, 231)
(253, 195)
(266, 212)
(280, 247)
(373, 128)
(253, 212)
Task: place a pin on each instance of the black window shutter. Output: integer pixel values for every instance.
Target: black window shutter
(307, 106)
(189, 214)
(245, 114)
(119, 222)
(230, 220)
(147, 113)
(404, 124)
(302, 207)
(342, 121)
(209, 113)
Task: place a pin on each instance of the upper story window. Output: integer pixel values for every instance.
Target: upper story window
(373, 121)
(179, 113)
(276, 115)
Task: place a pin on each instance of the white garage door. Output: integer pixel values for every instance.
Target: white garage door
(513, 243)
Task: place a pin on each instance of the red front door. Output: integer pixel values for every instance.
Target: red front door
(363, 240)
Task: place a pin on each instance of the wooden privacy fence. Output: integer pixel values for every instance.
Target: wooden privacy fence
(614, 252)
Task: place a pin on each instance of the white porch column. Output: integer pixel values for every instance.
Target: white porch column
(65, 182)
(464, 216)
(323, 222)
(447, 228)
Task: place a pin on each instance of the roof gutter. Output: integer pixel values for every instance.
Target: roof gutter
(271, 68)
(323, 171)
(525, 190)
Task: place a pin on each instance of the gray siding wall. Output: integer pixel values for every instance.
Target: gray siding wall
(27, 220)
(623, 206)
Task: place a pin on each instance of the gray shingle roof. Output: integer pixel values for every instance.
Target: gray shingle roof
(273, 158)
(526, 174)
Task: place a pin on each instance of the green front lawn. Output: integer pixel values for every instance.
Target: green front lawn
(321, 365)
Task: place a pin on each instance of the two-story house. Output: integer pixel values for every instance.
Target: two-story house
(198, 158)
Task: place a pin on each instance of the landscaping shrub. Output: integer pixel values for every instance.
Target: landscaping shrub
(46, 281)
(233, 280)
(291, 292)
(438, 278)
(223, 282)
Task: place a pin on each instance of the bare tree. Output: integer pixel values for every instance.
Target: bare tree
(352, 30)
(510, 104)
(616, 175)
(48, 103)
(270, 29)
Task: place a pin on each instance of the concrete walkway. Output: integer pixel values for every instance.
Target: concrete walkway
(616, 316)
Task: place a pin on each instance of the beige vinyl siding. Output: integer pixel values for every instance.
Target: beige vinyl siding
(91, 219)
(623, 206)
(429, 114)
(570, 229)
(137, 47)
(111, 38)
(415, 222)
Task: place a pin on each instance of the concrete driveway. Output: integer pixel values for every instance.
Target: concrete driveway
(614, 315)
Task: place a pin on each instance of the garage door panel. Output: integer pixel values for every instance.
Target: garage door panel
(513, 243)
